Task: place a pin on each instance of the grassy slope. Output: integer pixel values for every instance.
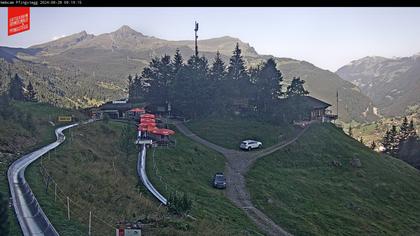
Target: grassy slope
(12, 132)
(189, 168)
(92, 171)
(299, 189)
(229, 132)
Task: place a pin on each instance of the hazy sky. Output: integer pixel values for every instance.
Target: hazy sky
(326, 37)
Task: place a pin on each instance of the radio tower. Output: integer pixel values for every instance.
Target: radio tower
(337, 103)
(196, 37)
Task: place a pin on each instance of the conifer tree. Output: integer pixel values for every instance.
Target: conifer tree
(391, 141)
(373, 145)
(218, 69)
(177, 62)
(31, 92)
(296, 88)
(404, 130)
(16, 89)
(268, 85)
(236, 68)
(412, 130)
(386, 142)
(394, 141)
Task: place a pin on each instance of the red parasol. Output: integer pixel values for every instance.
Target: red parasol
(165, 132)
(147, 116)
(147, 120)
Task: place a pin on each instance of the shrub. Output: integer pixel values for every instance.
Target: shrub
(179, 204)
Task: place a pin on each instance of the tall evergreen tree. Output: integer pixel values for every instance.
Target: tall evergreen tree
(394, 141)
(268, 85)
(217, 76)
(182, 87)
(177, 62)
(391, 141)
(136, 89)
(158, 77)
(386, 142)
(191, 87)
(296, 88)
(404, 130)
(412, 130)
(218, 69)
(236, 79)
(236, 68)
(16, 88)
(373, 145)
(31, 92)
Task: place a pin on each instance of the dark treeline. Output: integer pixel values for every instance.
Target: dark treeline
(18, 92)
(403, 143)
(198, 88)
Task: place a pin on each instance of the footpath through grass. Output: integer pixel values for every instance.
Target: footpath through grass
(302, 191)
(189, 168)
(230, 131)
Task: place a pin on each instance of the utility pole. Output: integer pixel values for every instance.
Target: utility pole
(337, 104)
(90, 222)
(196, 37)
(68, 208)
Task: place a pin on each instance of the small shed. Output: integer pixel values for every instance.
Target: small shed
(115, 110)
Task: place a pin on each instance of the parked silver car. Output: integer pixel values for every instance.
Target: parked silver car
(250, 144)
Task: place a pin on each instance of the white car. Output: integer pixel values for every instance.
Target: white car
(250, 144)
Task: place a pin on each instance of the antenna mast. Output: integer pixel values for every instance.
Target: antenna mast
(337, 104)
(196, 37)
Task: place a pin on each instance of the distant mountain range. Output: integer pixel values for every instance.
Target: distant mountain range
(393, 84)
(83, 69)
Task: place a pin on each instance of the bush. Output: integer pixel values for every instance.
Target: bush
(179, 204)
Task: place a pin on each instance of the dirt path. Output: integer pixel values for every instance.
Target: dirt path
(237, 165)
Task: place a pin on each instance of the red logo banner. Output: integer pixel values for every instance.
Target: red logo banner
(18, 20)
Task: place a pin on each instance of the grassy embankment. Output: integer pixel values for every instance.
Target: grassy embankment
(299, 189)
(189, 168)
(92, 171)
(230, 131)
(17, 137)
(97, 176)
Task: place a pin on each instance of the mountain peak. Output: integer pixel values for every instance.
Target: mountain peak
(126, 30)
(65, 42)
(83, 33)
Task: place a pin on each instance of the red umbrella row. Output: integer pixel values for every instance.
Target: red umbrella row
(148, 124)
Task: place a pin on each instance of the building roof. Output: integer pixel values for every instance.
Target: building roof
(314, 103)
(116, 106)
